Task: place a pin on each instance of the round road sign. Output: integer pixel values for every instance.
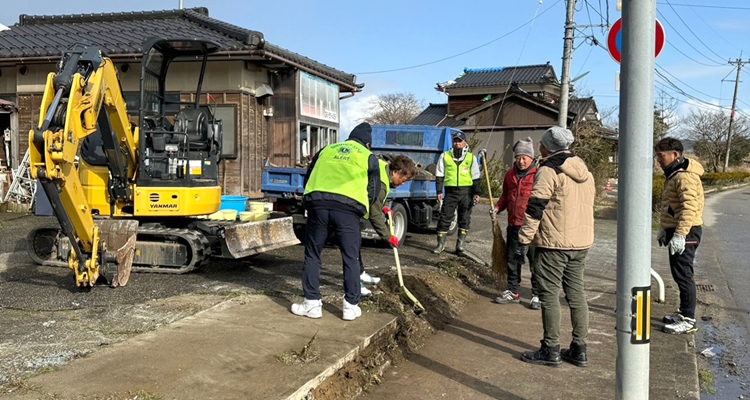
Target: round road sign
(614, 40)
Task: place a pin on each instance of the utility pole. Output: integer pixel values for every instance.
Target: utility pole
(739, 63)
(633, 319)
(562, 118)
(180, 4)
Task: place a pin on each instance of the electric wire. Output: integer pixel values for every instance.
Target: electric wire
(691, 31)
(536, 15)
(712, 29)
(712, 6)
(686, 41)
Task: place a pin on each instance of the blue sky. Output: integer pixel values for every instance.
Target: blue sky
(444, 37)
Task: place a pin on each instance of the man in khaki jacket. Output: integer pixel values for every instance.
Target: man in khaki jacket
(681, 220)
(559, 222)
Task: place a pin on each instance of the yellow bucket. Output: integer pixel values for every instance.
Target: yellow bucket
(256, 206)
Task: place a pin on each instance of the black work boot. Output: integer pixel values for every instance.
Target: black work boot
(575, 355)
(442, 237)
(549, 356)
(461, 240)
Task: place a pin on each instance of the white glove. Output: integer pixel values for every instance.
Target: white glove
(661, 237)
(677, 244)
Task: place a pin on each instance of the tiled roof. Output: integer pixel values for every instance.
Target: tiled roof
(503, 76)
(579, 106)
(434, 115)
(123, 33)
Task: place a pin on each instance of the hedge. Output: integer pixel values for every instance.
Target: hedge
(710, 179)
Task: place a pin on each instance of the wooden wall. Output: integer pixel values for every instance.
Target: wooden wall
(460, 104)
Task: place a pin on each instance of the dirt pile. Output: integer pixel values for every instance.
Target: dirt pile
(443, 291)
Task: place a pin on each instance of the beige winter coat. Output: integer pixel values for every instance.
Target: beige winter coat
(560, 214)
(682, 199)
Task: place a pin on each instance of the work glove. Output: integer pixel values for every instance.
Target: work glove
(493, 212)
(387, 211)
(393, 241)
(661, 237)
(440, 197)
(475, 200)
(520, 252)
(677, 244)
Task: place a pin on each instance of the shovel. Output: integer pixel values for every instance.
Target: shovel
(418, 307)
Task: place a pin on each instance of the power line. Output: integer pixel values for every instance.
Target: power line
(691, 31)
(709, 27)
(463, 52)
(678, 79)
(686, 41)
(712, 6)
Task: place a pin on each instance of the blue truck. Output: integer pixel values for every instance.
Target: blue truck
(414, 204)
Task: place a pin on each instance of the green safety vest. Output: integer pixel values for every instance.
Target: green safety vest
(341, 169)
(384, 177)
(455, 175)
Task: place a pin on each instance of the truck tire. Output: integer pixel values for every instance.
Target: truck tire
(400, 222)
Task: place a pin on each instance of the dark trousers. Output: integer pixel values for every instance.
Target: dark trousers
(556, 269)
(681, 266)
(514, 266)
(455, 198)
(347, 229)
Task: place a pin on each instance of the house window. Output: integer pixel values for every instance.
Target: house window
(228, 116)
(312, 139)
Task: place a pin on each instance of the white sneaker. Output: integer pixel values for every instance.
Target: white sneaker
(308, 308)
(351, 311)
(687, 325)
(364, 291)
(368, 280)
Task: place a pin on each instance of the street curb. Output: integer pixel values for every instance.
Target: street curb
(725, 188)
(308, 387)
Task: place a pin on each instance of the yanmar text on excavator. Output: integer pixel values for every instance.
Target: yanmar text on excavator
(130, 197)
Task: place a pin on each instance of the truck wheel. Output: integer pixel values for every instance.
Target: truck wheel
(400, 222)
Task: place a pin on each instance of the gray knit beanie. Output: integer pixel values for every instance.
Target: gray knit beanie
(557, 138)
(524, 148)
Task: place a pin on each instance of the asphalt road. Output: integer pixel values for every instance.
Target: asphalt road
(722, 263)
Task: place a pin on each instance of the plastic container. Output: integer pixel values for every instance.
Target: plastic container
(237, 203)
(256, 206)
(229, 215)
(250, 216)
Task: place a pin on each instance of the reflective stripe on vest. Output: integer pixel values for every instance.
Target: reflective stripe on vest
(458, 175)
(341, 169)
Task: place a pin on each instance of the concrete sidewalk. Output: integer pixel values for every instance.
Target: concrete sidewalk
(226, 352)
(476, 357)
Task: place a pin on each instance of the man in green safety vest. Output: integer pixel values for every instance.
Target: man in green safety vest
(341, 184)
(458, 172)
(392, 175)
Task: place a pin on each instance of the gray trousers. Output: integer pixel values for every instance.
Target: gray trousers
(556, 269)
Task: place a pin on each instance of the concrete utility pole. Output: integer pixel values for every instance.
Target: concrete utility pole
(562, 118)
(633, 324)
(180, 4)
(739, 64)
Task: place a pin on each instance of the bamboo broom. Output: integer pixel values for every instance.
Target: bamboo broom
(499, 260)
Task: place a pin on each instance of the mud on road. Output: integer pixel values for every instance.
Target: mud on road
(45, 321)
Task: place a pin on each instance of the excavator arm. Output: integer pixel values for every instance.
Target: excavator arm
(83, 97)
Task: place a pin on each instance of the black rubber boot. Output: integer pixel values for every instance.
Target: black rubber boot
(575, 355)
(442, 237)
(549, 356)
(461, 240)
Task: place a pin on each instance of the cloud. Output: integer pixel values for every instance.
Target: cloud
(352, 112)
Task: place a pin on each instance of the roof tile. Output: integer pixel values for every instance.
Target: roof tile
(504, 76)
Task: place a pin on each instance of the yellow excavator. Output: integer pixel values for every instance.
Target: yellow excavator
(130, 198)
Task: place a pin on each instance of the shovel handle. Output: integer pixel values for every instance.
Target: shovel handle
(395, 252)
(487, 176)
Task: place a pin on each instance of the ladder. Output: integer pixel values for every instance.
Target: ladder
(23, 188)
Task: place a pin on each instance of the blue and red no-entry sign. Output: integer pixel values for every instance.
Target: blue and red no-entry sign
(614, 40)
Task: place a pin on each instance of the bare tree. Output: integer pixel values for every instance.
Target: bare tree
(393, 108)
(708, 129)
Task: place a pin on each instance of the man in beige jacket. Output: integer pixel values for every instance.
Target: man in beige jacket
(559, 222)
(681, 220)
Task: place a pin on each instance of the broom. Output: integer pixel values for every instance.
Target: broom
(499, 260)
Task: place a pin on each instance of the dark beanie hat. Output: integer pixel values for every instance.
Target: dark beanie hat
(362, 133)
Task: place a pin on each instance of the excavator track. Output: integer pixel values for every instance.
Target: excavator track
(157, 250)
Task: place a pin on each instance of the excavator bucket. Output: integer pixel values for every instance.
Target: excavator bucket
(246, 239)
(119, 237)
